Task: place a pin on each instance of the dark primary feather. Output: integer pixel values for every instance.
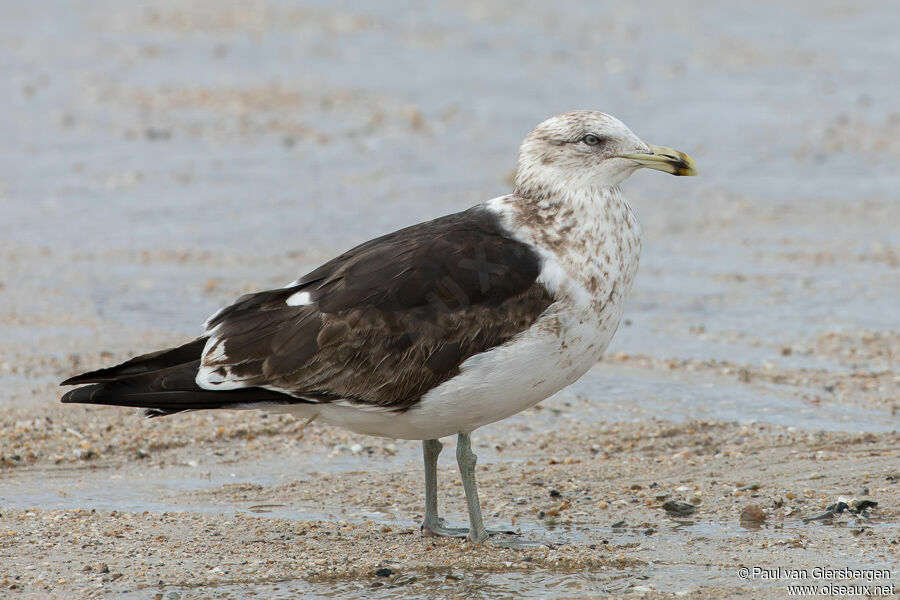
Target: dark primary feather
(169, 391)
(144, 363)
(389, 320)
(163, 382)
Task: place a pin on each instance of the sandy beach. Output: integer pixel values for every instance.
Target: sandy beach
(162, 159)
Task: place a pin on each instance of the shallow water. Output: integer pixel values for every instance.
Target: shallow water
(90, 177)
(631, 396)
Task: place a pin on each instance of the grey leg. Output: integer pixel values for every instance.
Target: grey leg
(477, 533)
(466, 460)
(431, 449)
(433, 524)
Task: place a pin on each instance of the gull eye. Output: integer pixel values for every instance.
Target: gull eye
(591, 140)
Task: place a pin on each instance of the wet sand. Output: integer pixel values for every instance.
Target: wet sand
(321, 512)
(168, 159)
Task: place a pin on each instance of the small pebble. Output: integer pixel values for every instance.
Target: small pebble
(679, 508)
(753, 514)
(825, 516)
(837, 508)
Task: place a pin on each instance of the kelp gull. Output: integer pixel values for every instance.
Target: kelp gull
(435, 329)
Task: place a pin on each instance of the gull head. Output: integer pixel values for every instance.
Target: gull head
(586, 151)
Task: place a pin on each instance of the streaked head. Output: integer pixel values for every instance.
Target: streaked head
(584, 150)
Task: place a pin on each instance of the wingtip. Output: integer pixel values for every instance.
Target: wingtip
(81, 395)
(89, 377)
(67, 397)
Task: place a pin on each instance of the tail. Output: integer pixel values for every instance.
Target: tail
(163, 383)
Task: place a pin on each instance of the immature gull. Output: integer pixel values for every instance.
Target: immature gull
(436, 329)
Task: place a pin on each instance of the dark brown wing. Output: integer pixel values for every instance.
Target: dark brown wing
(143, 364)
(387, 321)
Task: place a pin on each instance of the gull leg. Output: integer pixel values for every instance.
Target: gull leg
(466, 460)
(477, 532)
(433, 524)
